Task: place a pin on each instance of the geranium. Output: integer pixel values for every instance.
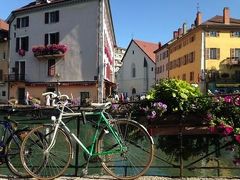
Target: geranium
(49, 49)
(21, 52)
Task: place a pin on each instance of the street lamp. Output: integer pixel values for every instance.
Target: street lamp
(57, 76)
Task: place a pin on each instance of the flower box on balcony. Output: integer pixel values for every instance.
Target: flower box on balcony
(51, 51)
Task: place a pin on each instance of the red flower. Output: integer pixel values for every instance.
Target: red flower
(21, 52)
(237, 138)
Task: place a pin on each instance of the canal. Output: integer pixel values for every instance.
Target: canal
(176, 154)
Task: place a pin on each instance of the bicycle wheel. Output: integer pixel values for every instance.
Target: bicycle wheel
(12, 151)
(131, 161)
(42, 164)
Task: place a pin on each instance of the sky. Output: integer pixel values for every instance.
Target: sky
(150, 20)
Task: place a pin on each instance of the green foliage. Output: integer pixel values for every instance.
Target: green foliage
(176, 94)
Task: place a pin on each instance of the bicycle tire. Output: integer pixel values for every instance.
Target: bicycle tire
(40, 164)
(12, 151)
(137, 157)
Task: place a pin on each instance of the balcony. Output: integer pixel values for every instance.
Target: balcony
(15, 77)
(232, 61)
(53, 51)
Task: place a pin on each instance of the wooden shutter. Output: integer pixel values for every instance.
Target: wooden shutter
(46, 39)
(57, 16)
(57, 38)
(231, 34)
(207, 53)
(217, 34)
(17, 44)
(18, 22)
(218, 53)
(46, 18)
(27, 21)
(232, 52)
(207, 34)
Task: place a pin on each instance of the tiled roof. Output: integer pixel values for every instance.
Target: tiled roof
(218, 20)
(148, 48)
(4, 25)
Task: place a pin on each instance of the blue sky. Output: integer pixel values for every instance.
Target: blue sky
(150, 20)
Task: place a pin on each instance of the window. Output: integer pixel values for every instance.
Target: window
(191, 76)
(52, 17)
(237, 53)
(1, 75)
(83, 97)
(23, 22)
(51, 38)
(22, 43)
(133, 52)
(133, 70)
(235, 34)
(3, 93)
(212, 53)
(191, 57)
(213, 34)
(184, 77)
(51, 67)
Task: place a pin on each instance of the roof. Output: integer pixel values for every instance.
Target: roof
(218, 20)
(3, 25)
(148, 48)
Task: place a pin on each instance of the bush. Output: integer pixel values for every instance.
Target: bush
(178, 95)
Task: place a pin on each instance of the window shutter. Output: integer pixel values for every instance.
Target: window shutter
(207, 34)
(27, 44)
(217, 34)
(46, 18)
(18, 22)
(27, 21)
(232, 52)
(17, 44)
(57, 38)
(57, 16)
(218, 53)
(207, 53)
(232, 34)
(46, 39)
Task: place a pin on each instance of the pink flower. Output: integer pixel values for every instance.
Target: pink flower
(228, 99)
(237, 138)
(236, 161)
(212, 129)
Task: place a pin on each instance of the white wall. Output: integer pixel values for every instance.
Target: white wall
(126, 81)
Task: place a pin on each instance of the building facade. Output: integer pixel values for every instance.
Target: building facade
(161, 62)
(137, 74)
(208, 54)
(62, 45)
(3, 61)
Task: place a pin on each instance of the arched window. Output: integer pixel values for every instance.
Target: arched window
(133, 69)
(133, 91)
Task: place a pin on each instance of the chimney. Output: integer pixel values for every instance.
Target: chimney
(175, 34)
(184, 27)
(198, 19)
(180, 31)
(159, 45)
(226, 15)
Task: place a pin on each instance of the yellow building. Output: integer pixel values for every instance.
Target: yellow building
(208, 54)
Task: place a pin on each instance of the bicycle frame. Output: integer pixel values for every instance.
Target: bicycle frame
(102, 119)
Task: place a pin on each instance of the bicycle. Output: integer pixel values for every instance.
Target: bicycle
(10, 143)
(123, 147)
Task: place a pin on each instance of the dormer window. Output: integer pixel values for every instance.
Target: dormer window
(51, 17)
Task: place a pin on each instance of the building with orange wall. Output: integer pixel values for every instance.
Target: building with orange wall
(208, 54)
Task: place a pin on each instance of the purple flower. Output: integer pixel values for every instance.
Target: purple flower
(228, 99)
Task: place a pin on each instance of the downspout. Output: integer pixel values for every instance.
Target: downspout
(203, 64)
